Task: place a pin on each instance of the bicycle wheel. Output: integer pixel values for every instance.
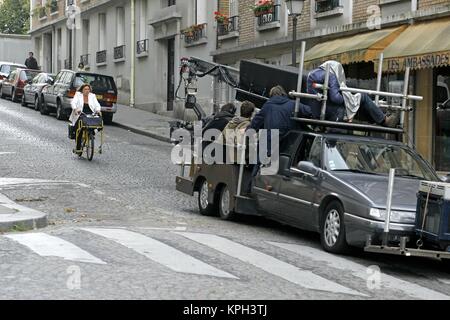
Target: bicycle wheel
(90, 146)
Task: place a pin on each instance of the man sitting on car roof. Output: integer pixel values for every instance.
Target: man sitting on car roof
(341, 105)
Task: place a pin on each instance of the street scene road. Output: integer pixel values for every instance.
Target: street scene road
(118, 229)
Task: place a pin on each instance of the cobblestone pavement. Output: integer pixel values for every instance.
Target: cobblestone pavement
(118, 229)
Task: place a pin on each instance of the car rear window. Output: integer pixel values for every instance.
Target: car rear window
(28, 75)
(7, 68)
(99, 83)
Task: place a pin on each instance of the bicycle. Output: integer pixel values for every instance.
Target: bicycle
(86, 127)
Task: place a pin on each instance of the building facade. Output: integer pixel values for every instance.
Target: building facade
(146, 48)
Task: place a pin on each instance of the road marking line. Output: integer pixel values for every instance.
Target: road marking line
(49, 246)
(5, 182)
(360, 271)
(291, 273)
(160, 252)
(166, 229)
(7, 152)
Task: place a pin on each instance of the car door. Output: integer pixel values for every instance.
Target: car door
(54, 89)
(298, 188)
(267, 187)
(8, 83)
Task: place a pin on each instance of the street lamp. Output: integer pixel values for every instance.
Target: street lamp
(295, 8)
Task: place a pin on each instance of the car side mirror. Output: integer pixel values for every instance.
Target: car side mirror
(308, 168)
(50, 82)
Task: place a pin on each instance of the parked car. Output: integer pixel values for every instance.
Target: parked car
(58, 96)
(33, 90)
(333, 184)
(13, 85)
(7, 67)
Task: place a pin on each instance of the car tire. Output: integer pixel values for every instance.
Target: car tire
(224, 202)
(37, 103)
(60, 115)
(332, 229)
(43, 108)
(107, 117)
(23, 103)
(206, 208)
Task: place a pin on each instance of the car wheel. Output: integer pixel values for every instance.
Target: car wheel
(60, 115)
(23, 103)
(43, 107)
(332, 235)
(206, 208)
(107, 117)
(37, 104)
(225, 211)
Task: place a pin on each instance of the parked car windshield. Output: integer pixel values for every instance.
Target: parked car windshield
(7, 68)
(98, 83)
(375, 158)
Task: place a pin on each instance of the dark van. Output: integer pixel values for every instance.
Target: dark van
(58, 96)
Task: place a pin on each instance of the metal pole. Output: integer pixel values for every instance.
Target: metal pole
(133, 53)
(325, 93)
(300, 78)
(294, 40)
(241, 169)
(379, 76)
(405, 95)
(388, 206)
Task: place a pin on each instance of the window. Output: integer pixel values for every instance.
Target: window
(171, 3)
(234, 8)
(442, 119)
(120, 31)
(102, 31)
(200, 11)
(310, 150)
(326, 5)
(143, 20)
(86, 31)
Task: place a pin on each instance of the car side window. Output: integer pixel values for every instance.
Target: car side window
(58, 77)
(68, 79)
(310, 150)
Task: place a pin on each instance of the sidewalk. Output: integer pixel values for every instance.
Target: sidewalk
(14, 217)
(143, 122)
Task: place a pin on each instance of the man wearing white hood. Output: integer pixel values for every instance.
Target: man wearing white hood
(343, 106)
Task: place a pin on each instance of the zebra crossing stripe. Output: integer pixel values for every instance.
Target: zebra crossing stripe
(49, 246)
(159, 252)
(303, 278)
(361, 271)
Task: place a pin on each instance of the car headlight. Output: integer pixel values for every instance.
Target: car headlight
(396, 216)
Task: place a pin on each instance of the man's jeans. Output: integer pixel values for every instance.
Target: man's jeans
(368, 110)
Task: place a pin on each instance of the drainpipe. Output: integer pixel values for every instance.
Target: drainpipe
(133, 52)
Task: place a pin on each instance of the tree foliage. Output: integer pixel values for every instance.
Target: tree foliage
(15, 16)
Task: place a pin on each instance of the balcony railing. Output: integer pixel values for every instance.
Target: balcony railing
(68, 64)
(119, 52)
(229, 26)
(194, 34)
(270, 16)
(101, 56)
(142, 46)
(84, 59)
(326, 5)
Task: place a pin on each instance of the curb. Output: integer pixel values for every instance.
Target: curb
(19, 218)
(143, 132)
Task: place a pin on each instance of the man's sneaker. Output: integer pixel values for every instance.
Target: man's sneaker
(79, 153)
(391, 121)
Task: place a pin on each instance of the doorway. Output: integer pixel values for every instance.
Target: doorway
(170, 73)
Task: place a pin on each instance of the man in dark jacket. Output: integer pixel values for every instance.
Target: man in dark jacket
(31, 62)
(336, 105)
(220, 120)
(276, 113)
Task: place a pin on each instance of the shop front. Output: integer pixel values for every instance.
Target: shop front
(425, 48)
